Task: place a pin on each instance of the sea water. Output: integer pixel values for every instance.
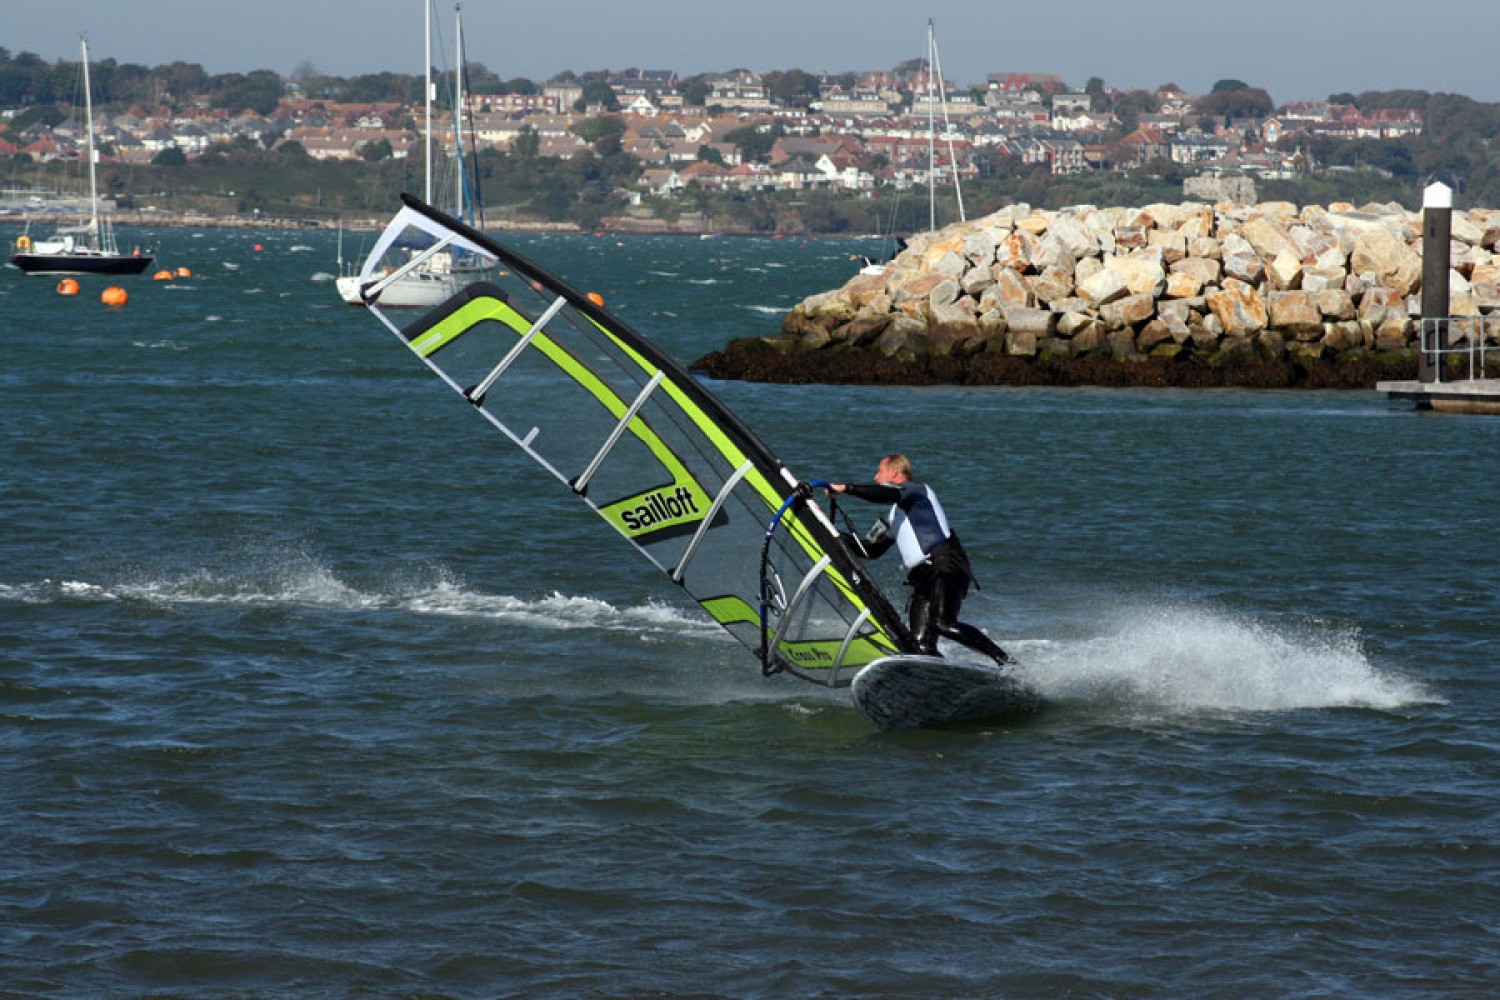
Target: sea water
(310, 684)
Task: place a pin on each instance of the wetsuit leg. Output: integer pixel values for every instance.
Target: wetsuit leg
(948, 593)
(923, 627)
(919, 612)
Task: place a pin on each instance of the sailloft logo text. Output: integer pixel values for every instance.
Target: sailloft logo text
(661, 508)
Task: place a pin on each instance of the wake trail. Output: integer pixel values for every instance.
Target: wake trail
(1176, 661)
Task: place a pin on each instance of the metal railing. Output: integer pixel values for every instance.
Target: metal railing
(1466, 336)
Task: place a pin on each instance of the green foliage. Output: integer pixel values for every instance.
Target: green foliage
(527, 143)
(171, 156)
(47, 115)
(258, 91)
(753, 143)
(599, 128)
(695, 90)
(372, 152)
(600, 93)
(1240, 103)
(792, 87)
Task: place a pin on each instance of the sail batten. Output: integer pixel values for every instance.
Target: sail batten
(645, 445)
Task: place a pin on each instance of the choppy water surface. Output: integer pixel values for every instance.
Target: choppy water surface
(309, 685)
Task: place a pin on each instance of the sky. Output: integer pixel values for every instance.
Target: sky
(1294, 49)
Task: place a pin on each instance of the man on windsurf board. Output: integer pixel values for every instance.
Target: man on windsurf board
(937, 567)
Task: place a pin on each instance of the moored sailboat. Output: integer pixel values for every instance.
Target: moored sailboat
(441, 274)
(87, 249)
(937, 96)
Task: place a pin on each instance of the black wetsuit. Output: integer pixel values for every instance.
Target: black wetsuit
(937, 567)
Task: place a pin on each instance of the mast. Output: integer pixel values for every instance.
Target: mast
(958, 191)
(931, 135)
(88, 104)
(458, 112)
(427, 91)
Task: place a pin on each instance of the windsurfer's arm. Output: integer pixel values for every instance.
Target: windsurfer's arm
(879, 538)
(873, 492)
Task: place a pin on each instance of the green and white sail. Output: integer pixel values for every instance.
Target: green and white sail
(642, 442)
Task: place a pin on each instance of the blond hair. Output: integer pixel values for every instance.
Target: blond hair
(898, 463)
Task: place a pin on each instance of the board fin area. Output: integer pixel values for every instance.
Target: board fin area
(906, 692)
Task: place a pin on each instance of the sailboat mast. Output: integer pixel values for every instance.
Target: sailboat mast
(931, 136)
(427, 92)
(937, 63)
(458, 111)
(88, 104)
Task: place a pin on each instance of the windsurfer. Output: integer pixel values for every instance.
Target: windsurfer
(937, 567)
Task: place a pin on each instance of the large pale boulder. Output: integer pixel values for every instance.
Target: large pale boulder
(1008, 289)
(1142, 272)
(1335, 304)
(1197, 224)
(1382, 252)
(1127, 312)
(1268, 238)
(1103, 286)
(1285, 272)
(1239, 308)
(1466, 229)
(1017, 251)
(1037, 322)
(976, 280)
(932, 253)
(1072, 237)
(1246, 267)
(1206, 270)
(920, 287)
(1296, 313)
(1182, 285)
(1053, 285)
(980, 247)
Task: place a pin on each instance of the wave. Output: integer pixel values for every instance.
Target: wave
(295, 581)
(1155, 664)
(160, 345)
(1173, 661)
(766, 310)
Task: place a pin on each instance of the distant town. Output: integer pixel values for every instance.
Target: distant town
(732, 132)
(851, 132)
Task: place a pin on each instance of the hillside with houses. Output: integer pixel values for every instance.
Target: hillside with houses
(632, 142)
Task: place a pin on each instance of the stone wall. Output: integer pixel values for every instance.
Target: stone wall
(1204, 284)
(1238, 190)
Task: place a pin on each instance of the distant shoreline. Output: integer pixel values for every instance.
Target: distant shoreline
(196, 220)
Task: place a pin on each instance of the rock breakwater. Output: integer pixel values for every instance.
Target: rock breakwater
(1186, 294)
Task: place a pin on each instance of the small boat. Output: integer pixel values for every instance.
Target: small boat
(443, 274)
(87, 249)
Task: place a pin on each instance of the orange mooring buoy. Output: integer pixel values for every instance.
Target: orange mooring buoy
(162, 275)
(67, 286)
(183, 272)
(596, 299)
(114, 295)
